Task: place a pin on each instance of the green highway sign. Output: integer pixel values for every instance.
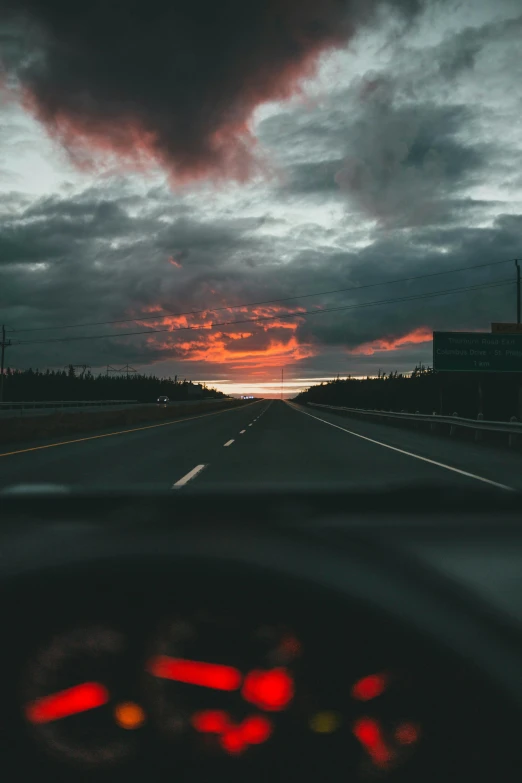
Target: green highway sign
(477, 352)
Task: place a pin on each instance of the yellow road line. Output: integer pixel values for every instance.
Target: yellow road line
(121, 432)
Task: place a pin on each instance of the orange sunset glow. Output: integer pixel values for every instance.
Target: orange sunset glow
(420, 335)
(251, 352)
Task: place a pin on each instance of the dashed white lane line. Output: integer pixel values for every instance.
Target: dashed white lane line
(242, 432)
(188, 477)
(407, 453)
(122, 432)
(250, 424)
(229, 442)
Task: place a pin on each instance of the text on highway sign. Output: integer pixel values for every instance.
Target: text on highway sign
(477, 352)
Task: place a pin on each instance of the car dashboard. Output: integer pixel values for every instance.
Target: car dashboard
(157, 637)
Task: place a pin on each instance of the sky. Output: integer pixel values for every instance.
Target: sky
(184, 185)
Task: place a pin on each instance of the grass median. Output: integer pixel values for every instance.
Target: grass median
(19, 430)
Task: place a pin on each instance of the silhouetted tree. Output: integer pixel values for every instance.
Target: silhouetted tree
(423, 390)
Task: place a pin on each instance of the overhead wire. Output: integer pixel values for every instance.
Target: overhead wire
(297, 314)
(167, 314)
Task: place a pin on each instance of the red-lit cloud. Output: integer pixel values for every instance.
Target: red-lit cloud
(256, 346)
(173, 84)
(168, 83)
(420, 335)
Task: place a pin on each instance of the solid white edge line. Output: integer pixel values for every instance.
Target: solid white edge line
(242, 432)
(229, 442)
(407, 453)
(188, 477)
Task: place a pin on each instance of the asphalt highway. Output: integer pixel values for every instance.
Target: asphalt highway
(264, 443)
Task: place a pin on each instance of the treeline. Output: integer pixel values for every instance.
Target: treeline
(495, 395)
(71, 384)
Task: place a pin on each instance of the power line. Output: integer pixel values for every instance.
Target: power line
(266, 302)
(303, 314)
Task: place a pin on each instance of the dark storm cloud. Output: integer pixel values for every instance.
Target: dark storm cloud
(99, 277)
(461, 51)
(412, 144)
(401, 151)
(397, 158)
(175, 81)
(404, 255)
(404, 159)
(82, 259)
(49, 230)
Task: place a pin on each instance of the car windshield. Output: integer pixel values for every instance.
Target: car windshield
(260, 243)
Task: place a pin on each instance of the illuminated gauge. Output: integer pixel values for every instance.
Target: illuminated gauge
(387, 738)
(71, 698)
(221, 686)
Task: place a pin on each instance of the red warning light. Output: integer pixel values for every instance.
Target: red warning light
(369, 687)
(210, 721)
(233, 742)
(256, 730)
(269, 690)
(252, 731)
(368, 732)
(206, 675)
(79, 698)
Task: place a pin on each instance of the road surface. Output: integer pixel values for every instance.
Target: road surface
(262, 443)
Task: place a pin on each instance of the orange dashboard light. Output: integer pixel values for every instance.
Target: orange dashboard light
(129, 715)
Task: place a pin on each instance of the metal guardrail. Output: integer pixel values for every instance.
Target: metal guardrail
(58, 405)
(61, 404)
(512, 427)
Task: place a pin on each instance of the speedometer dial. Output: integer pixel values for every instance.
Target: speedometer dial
(70, 697)
(223, 687)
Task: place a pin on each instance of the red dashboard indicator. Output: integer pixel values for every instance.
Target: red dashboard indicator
(206, 675)
(211, 721)
(252, 731)
(369, 733)
(269, 690)
(63, 704)
(370, 687)
(407, 733)
(232, 741)
(256, 729)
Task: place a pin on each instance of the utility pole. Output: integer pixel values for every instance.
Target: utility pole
(82, 367)
(518, 290)
(282, 381)
(127, 369)
(5, 343)
(519, 391)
